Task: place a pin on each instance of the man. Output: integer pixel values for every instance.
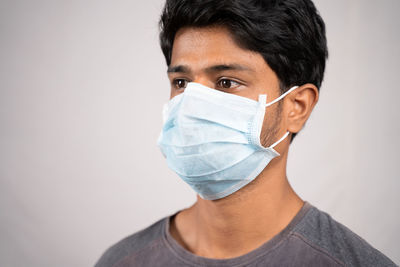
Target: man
(245, 77)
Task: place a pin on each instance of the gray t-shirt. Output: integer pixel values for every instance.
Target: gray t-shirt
(312, 238)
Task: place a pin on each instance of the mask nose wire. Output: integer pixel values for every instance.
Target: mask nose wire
(281, 96)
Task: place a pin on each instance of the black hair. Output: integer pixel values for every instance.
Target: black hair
(289, 34)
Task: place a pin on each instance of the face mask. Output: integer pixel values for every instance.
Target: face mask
(211, 139)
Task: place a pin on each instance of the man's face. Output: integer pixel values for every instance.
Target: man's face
(210, 56)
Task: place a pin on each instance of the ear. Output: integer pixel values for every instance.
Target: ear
(299, 106)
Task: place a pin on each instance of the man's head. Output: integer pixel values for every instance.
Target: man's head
(245, 48)
(289, 34)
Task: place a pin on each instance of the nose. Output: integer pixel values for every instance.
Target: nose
(203, 80)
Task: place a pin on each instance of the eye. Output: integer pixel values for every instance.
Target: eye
(179, 83)
(227, 84)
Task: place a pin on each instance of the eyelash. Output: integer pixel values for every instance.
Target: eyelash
(177, 80)
(175, 83)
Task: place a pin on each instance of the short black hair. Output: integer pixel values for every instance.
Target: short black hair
(289, 34)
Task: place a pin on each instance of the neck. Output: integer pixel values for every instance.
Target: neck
(241, 222)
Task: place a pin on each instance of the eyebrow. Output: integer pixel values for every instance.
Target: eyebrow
(214, 68)
(178, 68)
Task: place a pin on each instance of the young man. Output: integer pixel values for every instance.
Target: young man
(245, 77)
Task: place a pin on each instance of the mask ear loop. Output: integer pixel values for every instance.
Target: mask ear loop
(273, 102)
(280, 140)
(281, 96)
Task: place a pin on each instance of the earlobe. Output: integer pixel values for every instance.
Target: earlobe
(300, 105)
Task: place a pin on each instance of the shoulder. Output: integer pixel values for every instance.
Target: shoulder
(132, 244)
(320, 230)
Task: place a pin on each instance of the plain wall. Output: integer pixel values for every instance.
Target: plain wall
(82, 84)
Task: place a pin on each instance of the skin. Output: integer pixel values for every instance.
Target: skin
(241, 222)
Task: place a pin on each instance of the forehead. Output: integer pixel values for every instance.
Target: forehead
(201, 47)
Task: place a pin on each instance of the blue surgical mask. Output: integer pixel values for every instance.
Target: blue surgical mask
(211, 139)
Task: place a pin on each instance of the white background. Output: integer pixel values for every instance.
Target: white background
(81, 89)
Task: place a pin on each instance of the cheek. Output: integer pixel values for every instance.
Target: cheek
(249, 93)
(174, 93)
(271, 126)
